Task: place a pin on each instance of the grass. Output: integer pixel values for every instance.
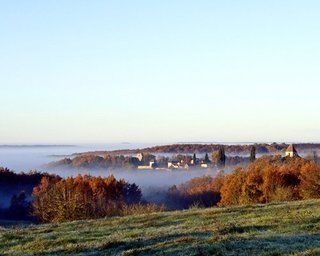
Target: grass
(275, 229)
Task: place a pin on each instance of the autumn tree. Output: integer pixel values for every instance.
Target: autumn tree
(202, 191)
(82, 197)
(272, 178)
(252, 187)
(310, 181)
(231, 191)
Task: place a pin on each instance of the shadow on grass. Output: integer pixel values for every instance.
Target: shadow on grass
(190, 244)
(235, 229)
(14, 223)
(276, 245)
(200, 243)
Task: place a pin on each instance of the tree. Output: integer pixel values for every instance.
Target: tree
(203, 191)
(132, 193)
(271, 179)
(253, 154)
(310, 181)
(231, 190)
(82, 197)
(194, 159)
(221, 161)
(315, 157)
(19, 207)
(206, 159)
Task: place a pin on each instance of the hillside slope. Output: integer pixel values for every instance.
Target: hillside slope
(275, 229)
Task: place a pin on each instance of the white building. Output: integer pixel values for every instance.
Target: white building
(152, 165)
(173, 165)
(140, 156)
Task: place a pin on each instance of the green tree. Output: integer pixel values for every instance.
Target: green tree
(19, 207)
(315, 157)
(206, 158)
(194, 158)
(253, 154)
(221, 161)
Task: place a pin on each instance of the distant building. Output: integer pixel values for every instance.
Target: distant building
(194, 161)
(291, 151)
(140, 156)
(178, 165)
(204, 165)
(152, 165)
(173, 164)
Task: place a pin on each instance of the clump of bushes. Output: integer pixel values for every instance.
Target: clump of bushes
(82, 197)
(201, 192)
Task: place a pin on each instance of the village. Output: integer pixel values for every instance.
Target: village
(149, 162)
(185, 162)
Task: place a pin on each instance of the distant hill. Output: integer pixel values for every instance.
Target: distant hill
(274, 229)
(262, 148)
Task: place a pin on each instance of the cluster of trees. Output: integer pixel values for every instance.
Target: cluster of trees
(15, 193)
(82, 197)
(272, 178)
(220, 159)
(19, 209)
(91, 161)
(49, 198)
(8, 177)
(267, 179)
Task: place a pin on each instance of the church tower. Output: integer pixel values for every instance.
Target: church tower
(291, 151)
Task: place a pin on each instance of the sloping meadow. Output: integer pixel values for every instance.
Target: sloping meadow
(272, 229)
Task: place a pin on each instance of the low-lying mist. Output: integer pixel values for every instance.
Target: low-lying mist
(153, 183)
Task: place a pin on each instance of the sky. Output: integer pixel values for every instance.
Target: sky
(159, 71)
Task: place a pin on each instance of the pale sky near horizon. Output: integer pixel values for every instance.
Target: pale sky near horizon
(159, 71)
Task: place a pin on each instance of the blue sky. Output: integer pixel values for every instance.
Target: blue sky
(159, 71)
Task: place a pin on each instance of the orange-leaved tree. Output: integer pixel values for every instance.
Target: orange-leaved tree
(82, 197)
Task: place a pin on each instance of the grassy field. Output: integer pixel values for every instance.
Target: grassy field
(275, 229)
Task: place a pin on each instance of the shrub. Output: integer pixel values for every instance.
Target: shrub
(141, 209)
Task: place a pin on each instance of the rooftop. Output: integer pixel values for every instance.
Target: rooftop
(291, 148)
